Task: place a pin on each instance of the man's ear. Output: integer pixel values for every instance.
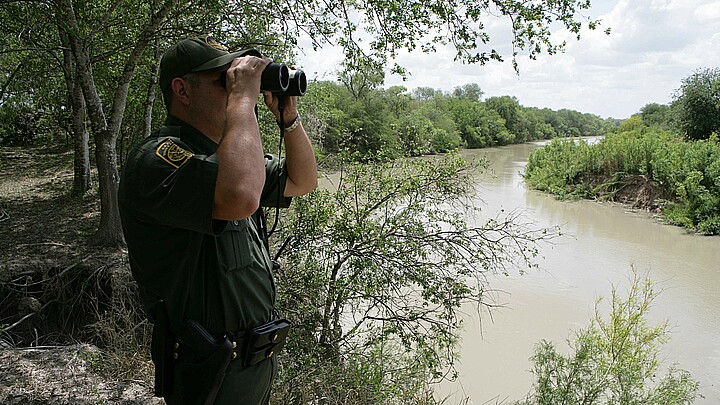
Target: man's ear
(180, 90)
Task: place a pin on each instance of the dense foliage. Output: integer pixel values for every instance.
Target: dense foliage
(687, 172)
(696, 104)
(612, 361)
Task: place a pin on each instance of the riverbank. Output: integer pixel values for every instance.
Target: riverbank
(640, 166)
(57, 292)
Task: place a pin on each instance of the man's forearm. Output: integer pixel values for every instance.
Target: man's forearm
(300, 163)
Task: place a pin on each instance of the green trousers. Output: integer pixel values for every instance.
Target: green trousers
(241, 385)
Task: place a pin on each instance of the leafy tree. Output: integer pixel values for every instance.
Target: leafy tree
(508, 108)
(395, 25)
(375, 273)
(479, 126)
(437, 110)
(656, 115)
(361, 78)
(426, 93)
(531, 125)
(697, 104)
(470, 91)
(84, 25)
(612, 361)
(38, 85)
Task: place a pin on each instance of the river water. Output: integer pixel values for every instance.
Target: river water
(603, 243)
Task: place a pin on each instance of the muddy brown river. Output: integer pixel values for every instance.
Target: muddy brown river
(603, 243)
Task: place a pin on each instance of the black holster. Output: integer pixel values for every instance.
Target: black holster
(202, 361)
(189, 365)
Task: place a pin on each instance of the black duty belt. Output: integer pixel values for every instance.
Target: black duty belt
(263, 342)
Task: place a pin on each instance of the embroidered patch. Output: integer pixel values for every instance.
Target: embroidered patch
(215, 44)
(175, 155)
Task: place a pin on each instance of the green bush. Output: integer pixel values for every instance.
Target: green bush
(612, 361)
(374, 276)
(557, 166)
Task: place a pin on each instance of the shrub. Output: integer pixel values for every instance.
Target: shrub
(612, 361)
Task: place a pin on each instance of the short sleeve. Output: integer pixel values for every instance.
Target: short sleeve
(165, 183)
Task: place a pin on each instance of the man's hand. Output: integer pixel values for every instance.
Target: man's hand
(289, 109)
(243, 76)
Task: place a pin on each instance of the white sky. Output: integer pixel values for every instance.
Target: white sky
(654, 44)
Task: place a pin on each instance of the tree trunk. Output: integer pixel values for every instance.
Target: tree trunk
(81, 144)
(81, 136)
(152, 85)
(109, 231)
(150, 99)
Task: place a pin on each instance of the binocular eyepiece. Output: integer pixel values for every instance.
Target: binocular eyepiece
(278, 78)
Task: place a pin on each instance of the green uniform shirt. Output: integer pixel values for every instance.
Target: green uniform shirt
(215, 272)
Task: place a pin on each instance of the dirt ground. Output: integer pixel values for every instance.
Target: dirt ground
(64, 375)
(634, 191)
(47, 296)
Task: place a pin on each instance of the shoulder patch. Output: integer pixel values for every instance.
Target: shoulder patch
(173, 154)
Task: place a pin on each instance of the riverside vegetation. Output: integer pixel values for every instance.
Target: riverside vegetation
(645, 167)
(665, 158)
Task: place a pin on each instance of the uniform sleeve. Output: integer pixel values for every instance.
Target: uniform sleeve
(275, 179)
(166, 184)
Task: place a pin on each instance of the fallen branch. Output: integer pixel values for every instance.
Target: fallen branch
(3, 330)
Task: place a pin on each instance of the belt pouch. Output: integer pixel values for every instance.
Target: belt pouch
(201, 365)
(266, 340)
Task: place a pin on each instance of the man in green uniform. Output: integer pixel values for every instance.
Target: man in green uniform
(190, 196)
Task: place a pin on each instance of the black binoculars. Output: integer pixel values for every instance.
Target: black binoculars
(277, 78)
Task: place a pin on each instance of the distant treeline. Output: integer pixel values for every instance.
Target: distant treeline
(372, 123)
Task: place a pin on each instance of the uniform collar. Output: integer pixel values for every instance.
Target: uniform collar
(191, 136)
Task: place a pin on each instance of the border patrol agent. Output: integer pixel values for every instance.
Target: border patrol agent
(190, 198)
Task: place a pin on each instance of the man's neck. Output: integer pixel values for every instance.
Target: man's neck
(197, 124)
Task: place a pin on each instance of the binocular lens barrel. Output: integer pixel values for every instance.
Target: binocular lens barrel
(275, 78)
(298, 83)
